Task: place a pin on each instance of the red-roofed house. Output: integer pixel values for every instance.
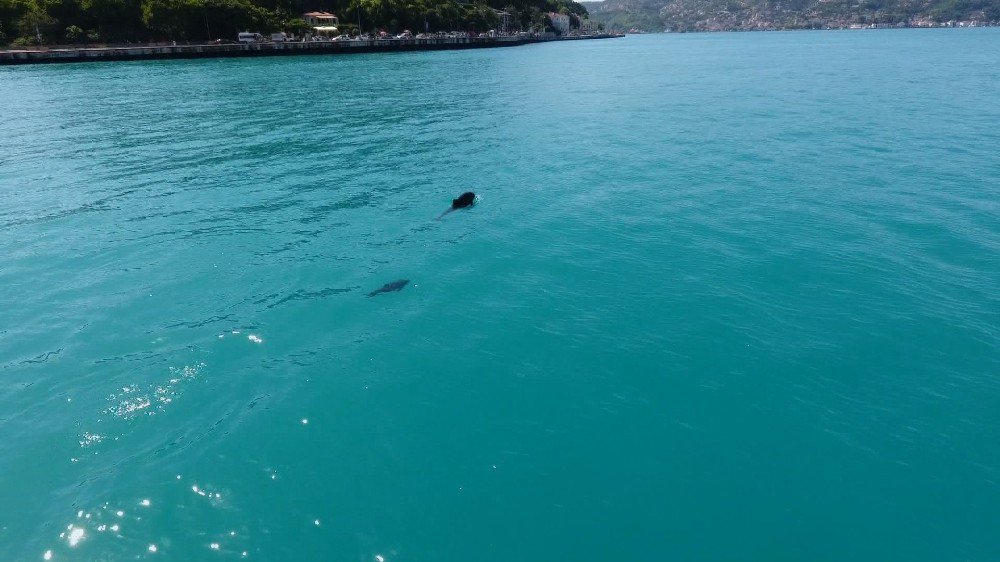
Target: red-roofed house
(320, 19)
(323, 23)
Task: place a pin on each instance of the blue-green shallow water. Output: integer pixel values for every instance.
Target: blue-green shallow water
(725, 297)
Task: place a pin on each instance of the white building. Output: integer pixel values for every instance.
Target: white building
(560, 22)
(506, 22)
(322, 22)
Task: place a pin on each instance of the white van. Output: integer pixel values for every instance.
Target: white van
(247, 37)
(280, 37)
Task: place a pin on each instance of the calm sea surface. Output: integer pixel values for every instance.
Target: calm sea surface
(724, 297)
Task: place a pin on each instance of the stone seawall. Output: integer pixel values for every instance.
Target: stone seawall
(97, 54)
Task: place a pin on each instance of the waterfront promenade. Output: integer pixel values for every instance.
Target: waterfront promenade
(152, 52)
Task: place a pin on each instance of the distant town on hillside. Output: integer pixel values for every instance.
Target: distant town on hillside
(752, 15)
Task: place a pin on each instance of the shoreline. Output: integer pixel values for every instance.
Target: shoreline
(168, 52)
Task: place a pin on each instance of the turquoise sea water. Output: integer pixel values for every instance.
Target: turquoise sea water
(724, 297)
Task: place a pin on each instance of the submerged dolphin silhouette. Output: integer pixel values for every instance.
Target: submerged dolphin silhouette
(464, 200)
(396, 285)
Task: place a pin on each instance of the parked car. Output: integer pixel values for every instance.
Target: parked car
(248, 37)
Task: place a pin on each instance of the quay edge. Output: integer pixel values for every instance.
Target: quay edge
(160, 52)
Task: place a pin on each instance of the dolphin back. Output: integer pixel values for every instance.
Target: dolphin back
(464, 200)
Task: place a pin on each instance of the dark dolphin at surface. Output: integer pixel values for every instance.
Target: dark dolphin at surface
(464, 200)
(396, 285)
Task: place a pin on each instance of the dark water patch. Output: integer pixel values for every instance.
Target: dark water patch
(302, 294)
(221, 231)
(267, 207)
(161, 215)
(201, 323)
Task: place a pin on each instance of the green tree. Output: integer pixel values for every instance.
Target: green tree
(174, 18)
(74, 34)
(229, 17)
(297, 26)
(36, 24)
(116, 20)
(10, 14)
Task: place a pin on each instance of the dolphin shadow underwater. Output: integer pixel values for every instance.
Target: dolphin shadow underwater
(464, 200)
(393, 287)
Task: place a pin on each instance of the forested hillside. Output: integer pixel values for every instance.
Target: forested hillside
(30, 22)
